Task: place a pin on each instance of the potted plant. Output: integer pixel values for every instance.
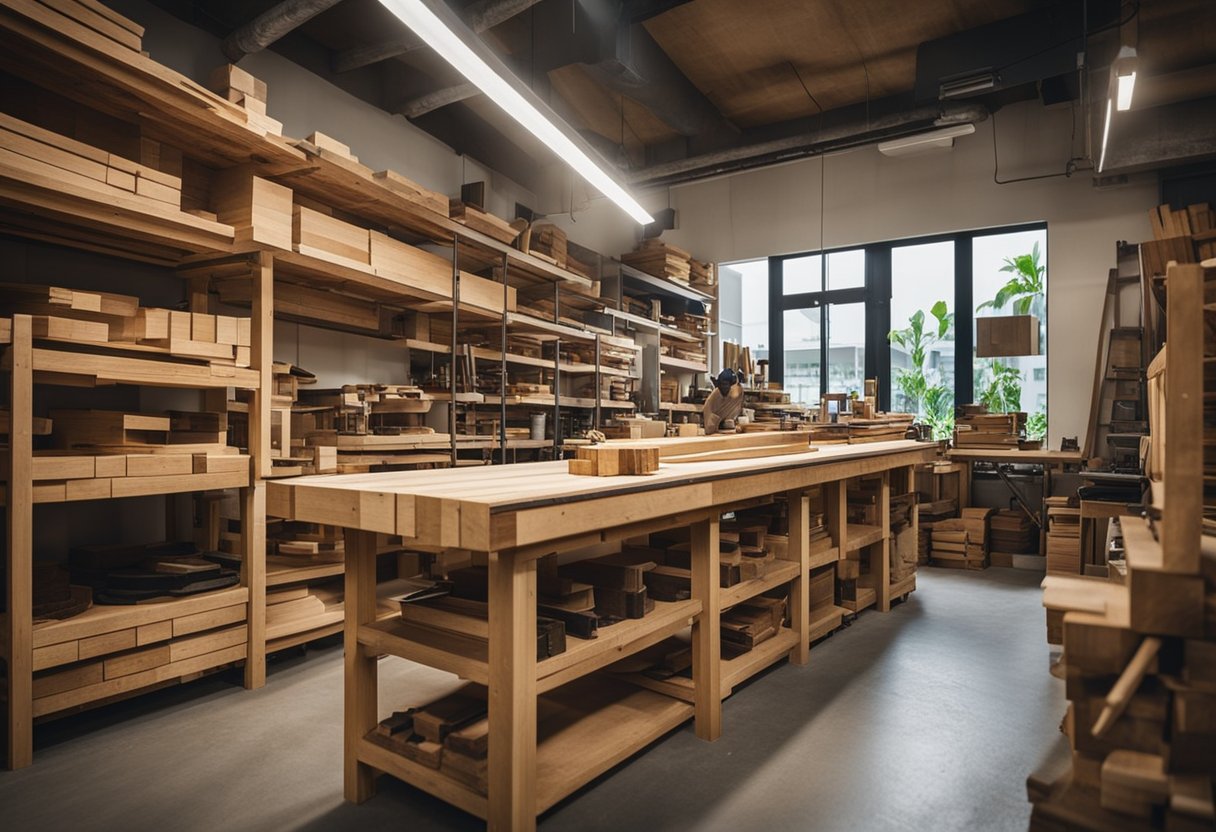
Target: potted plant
(931, 400)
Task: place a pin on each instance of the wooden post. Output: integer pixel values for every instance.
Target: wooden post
(20, 547)
(1182, 514)
(835, 507)
(706, 630)
(512, 704)
(881, 570)
(915, 506)
(799, 504)
(253, 499)
(359, 779)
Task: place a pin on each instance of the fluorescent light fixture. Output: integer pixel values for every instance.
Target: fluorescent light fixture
(428, 26)
(1123, 99)
(1105, 136)
(924, 142)
(1123, 72)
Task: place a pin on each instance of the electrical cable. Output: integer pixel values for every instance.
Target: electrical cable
(1070, 167)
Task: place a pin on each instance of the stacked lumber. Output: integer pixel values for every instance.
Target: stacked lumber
(482, 221)
(42, 152)
(1063, 536)
(1187, 235)
(550, 243)
(1139, 658)
(412, 191)
(305, 543)
(660, 260)
(450, 734)
(619, 583)
(747, 625)
(884, 427)
(234, 84)
(1011, 533)
(102, 20)
(962, 543)
(975, 427)
(117, 322)
(459, 604)
(111, 650)
(297, 609)
(702, 275)
(109, 431)
(738, 357)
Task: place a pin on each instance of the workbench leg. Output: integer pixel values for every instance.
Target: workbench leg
(798, 551)
(964, 485)
(253, 576)
(880, 553)
(1043, 512)
(512, 705)
(706, 630)
(20, 547)
(836, 514)
(360, 664)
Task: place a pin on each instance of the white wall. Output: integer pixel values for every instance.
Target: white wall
(869, 198)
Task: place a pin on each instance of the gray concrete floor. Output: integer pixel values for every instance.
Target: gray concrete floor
(929, 717)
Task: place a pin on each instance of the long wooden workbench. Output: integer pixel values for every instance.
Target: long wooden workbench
(516, 514)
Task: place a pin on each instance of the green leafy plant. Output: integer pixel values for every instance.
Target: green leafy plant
(1025, 289)
(922, 388)
(1000, 388)
(1036, 425)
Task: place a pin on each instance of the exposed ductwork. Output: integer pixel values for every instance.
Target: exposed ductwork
(271, 25)
(840, 136)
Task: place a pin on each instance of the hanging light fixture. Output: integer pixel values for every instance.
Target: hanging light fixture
(437, 27)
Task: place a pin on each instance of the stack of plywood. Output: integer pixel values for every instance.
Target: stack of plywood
(1187, 235)
(298, 608)
(43, 153)
(101, 19)
(1063, 536)
(702, 275)
(962, 542)
(884, 427)
(118, 322)
(549, 242)
(1011, 533)
(422, 196)
(977, 428)
(661, 260)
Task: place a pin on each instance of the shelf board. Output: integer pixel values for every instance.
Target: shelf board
(584, 729)
(680, 407)
(779, 572)
(543, 400)
(283, 570)
(860, 535)
(670, 361)
(283, 643)
(903, 587)
(74, 367)
(551, 329)
(112, 488)
(615, 642)
(302, 626)
(825, 621)
(868, 599)
(680, 335)
(663, 286)
(106, 619)
(741, 668)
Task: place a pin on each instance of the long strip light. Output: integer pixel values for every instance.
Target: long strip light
(439, 36)
(1119, 97)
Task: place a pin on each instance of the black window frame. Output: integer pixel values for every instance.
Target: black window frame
(876, 294)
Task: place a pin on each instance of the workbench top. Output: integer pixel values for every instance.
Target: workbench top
(500, 507)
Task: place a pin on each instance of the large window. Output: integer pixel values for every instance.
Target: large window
(902, 312)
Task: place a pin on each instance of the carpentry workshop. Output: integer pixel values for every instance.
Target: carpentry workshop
(608, 414)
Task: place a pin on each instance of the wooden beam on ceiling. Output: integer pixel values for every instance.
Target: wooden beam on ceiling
(480, 16)
(271, 25)
(423, 104)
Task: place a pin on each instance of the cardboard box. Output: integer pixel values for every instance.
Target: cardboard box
(1006, 335)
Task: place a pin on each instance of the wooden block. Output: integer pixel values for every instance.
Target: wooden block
(110, 465)
(225, 330)
(154, 632)
(94, 489)
(69, 329)
(136, 662)
(105, 643)
(314, 230)
(187, 624)
(259, 210)
(69, 679)
(179, 325)
(188, 648)
(146, 186)
(155, 465)
(230, 76)
(202, 327)
(56, 654)
(120, 179)
(324, 142)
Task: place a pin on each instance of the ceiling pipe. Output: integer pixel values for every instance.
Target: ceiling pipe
(848, 134)
(271, 25)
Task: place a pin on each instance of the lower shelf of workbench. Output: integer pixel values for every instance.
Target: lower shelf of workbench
(584, 729)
